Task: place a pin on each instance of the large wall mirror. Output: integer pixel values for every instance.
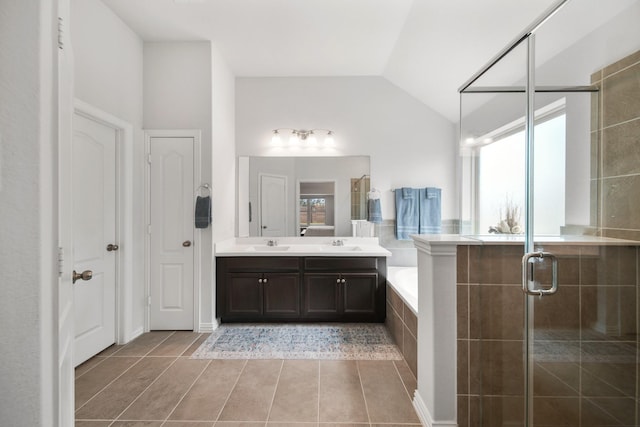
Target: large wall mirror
(301, 196)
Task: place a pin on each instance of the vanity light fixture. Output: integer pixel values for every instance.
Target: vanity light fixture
(309, 137)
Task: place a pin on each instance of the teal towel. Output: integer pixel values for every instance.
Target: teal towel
(430, 211)
(407, 213)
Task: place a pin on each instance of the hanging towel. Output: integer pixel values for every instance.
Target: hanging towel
(407, 212)
(203, 212)
(374, 211)
(430, 211)
(374, 208)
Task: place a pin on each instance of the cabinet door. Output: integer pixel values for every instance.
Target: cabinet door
(321, 296)
(281, 295)
(244, 294)
(359, 293)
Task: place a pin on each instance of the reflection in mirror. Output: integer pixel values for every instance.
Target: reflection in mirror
(294, 196)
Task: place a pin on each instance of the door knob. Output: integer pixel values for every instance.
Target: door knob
(186, 243)
(85, 275)
(112, 247)
(264, 227)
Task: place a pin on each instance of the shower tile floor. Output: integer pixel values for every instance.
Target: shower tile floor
(153, 382)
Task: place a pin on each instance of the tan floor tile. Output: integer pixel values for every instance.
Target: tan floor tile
(84, 423)
(162, 396)
(341, 399)
(176, 344)
(144, 343)
(111, 350)
(205, 399)
(188, 424)
(343, 424)
(239, 424)
(251, 398)
(114, 399)
(88, 365)
(296, 397)
(137, 424)
(196, 344)
(99, 377)
(407, 377)
(290, 424)
(386, 397)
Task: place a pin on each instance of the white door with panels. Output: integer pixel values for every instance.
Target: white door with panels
(273, 205)
(171, 233)
(94, 234)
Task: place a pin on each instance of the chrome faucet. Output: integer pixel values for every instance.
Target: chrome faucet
(338, 242)
(272, 243)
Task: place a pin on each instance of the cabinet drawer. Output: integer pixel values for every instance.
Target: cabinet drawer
(262, 264)
(340, 263)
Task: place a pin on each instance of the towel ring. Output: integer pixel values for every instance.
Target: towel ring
(204, 186)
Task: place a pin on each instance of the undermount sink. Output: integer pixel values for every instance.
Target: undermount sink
(341, 248)
(263, 248)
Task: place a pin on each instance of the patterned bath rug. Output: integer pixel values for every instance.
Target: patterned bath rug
(299, 341)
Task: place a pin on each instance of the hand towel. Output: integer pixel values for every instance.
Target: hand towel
(407, 212)
(374, 211)
(430, 211)
(203, 212)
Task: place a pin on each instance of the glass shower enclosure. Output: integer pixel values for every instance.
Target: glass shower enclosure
(550, 172)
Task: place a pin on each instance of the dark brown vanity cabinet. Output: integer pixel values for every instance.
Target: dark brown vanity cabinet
(350, 289)
(258, 291)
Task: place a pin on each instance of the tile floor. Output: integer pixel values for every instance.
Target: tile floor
(152, 382)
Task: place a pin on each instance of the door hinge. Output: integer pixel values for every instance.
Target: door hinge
(60, 261)
(149, 158)
(149, 300)
(60, 33)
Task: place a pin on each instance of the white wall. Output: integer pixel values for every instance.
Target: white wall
(108, 75)
(28, 219)
(178, 95)
(409, 144)
(224, 163)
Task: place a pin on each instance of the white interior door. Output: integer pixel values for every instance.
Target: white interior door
(172, 231)
(273, 205)
(94, 228)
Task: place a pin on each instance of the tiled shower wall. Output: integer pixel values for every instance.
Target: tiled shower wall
(615, 150)
(586, 343)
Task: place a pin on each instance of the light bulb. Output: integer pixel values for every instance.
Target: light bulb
(329, 141)
(293, 139)
(275, 139)
(311, 139)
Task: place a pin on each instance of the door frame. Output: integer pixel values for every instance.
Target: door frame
(149, 134)
(124, 215)
(335, 205)
(286, 200)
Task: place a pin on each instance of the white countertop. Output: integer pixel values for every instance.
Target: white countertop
(301, 246)
(511, 239)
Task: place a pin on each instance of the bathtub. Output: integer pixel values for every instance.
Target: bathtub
(404, 280)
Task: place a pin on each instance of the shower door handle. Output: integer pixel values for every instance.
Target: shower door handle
(528, 265)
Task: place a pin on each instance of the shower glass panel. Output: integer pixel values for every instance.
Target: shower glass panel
(550, 168)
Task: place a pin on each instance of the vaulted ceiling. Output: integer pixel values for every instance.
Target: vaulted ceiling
(426, 47)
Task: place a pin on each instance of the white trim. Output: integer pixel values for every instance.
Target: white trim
(124, 214)
(425, 417)
(207, 328)
(196, 134)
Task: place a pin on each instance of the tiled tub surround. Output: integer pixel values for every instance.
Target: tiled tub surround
(402, 312)
(592, 322)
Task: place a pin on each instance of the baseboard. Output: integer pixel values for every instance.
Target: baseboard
(425, 416)
(207, 328)
(134, 334)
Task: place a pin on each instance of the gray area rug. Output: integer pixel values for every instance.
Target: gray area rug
(299, 341)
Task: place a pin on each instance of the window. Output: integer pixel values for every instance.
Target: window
(313, 211)
(500, 178)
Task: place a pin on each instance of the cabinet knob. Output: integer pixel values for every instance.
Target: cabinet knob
(260, 280)
(338, 280)
(342, 281)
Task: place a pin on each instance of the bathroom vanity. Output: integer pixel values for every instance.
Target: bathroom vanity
(309, 281)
